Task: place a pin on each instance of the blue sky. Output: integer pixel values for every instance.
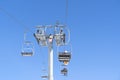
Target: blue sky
(95, 38)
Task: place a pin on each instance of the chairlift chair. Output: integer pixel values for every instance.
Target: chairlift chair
(27, 52)
(27, 49)
(44, 75)
(64, 57)
(64, 71)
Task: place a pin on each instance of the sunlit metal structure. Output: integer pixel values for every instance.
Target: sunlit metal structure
(61, 35)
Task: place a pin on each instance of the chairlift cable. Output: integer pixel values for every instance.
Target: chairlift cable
(14, 18)
(66, 12)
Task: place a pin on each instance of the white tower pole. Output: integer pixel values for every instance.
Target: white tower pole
(50, 60)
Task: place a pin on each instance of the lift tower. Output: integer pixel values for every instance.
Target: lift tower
(61, 35)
